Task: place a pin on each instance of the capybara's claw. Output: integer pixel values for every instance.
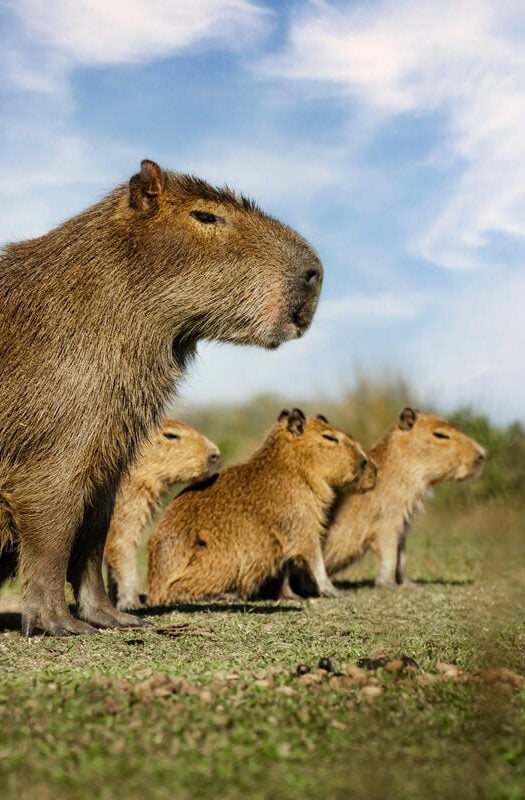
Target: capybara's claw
(111, 618)
(63, 625)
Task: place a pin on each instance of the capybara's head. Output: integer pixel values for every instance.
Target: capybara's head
(320, 451)
(253, 280)
(177, 453)
(434, 450)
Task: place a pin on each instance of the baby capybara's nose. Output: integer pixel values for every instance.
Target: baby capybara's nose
(480, 458)
(362, 465)
(213, 458)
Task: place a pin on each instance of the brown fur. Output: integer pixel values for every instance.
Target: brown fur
(242, 528)
(176, 454)
(416, 453)
(97, 320)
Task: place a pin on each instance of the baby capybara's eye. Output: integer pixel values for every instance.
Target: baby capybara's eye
(171, 435)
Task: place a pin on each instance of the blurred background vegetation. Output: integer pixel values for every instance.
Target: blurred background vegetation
(366, 412)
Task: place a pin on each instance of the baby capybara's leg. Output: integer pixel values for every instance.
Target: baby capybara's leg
(402, 578)
(85, 570)
(312, 556)
(123, 575)
(387, 552)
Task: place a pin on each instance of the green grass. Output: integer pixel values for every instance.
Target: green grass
(72, 725)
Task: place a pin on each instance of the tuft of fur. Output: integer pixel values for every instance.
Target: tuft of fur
(97, 321)
(176, 454)
(416, 453)
(232, 533)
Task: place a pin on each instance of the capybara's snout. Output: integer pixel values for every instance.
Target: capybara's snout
(368, 477)
(213, 460)
(305, 292)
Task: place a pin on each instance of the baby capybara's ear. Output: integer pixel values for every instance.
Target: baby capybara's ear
(407, 418)
(322, 418)
(296, 422)
(283, 415)
(146, 188)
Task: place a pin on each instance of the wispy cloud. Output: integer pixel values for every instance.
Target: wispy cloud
(461, 61)
(94, 32)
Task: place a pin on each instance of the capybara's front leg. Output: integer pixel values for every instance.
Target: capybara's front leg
(285, 591)
(123, 576)
(401, 568)
(313, 558)
(387, 553)
(85, 572)
(42, 566)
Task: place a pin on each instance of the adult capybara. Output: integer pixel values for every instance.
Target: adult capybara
(176, 454)
(232, 533)
(416, 453)
(97, 320)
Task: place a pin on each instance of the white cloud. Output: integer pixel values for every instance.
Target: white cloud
(94, 32)
(45, 164)
(462, 60)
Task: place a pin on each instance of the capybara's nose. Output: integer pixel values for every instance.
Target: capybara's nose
(312, 277)
(480, 458)
(362, 465)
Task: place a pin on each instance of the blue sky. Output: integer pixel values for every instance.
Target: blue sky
(388, 132)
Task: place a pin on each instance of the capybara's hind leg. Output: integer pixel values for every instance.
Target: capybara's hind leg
(85, 573)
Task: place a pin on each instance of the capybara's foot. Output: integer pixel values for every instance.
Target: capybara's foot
(330, 591)
(53, 624)
(129, 602)
(287, 593)
(409, 583)
(384, 583)
(109, 617)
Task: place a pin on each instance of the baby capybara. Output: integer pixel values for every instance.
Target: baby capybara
(416, 453)
(232, 533)
(97, 320)
(176, 454)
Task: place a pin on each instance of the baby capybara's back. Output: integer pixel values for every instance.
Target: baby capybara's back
(241, 527)
(176, 454)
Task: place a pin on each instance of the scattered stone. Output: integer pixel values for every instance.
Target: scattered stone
(371, 692)
(302, 669)
(500, 675)
(450, 670)
(288, 691)
(326, 664)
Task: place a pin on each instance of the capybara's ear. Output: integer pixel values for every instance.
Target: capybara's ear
(296, 422)
(283, 415)
(322, 418)
(146, 188)
(407, 418)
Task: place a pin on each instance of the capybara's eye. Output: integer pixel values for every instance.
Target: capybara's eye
(207, 218)
(440, 435)
(330, 438)
(169, 435)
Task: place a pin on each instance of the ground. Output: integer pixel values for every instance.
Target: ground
(207, 702)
